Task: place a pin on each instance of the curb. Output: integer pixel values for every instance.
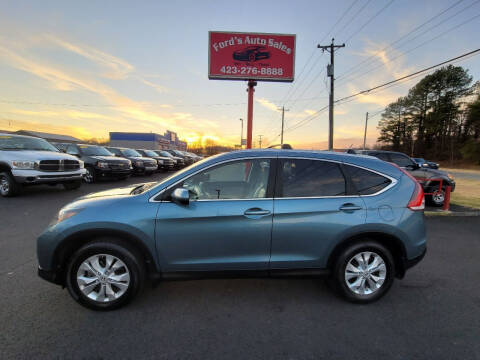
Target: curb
(450, 213)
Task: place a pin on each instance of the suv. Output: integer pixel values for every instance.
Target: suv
(187, 159)
(427, 177)
(141, 165)
(26, 160)
(356, 219)
(179, 162)
(165, 163)
(99, 162)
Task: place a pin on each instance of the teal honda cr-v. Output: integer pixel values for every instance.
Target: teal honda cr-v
(356, 219)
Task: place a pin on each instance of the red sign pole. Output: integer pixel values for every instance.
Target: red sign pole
(251, 90)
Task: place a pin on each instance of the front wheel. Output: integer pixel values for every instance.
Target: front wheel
(89, 176)
(438, 197)
(363, 272)
(104, 275)
(8, 186)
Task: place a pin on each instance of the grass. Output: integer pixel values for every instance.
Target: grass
(467, 193)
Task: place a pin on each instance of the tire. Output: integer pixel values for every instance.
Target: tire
(90, 176)
(374, 287)
(103, 290)
(8, 186)
(74, 185)
(438, 197)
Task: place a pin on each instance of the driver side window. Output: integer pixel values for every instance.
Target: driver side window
(245, 179)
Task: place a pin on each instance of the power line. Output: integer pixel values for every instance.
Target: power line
(369, 20)
(342, 77)
(407, 76)
(436, 16)
(354, 16)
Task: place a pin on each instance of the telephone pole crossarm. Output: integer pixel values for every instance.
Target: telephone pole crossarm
(330, 72)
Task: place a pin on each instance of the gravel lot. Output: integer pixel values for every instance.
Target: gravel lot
(434, 313)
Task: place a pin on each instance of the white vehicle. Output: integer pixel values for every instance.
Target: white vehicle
(26, 160)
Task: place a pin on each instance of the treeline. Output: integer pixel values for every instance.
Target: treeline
(208, 148)
(438, 119)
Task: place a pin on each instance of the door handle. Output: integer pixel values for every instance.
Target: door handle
(350, 207)
(256, 212)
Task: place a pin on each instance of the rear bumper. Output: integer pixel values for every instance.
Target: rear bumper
(412, 262)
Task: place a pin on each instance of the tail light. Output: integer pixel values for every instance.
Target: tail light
(417, 201)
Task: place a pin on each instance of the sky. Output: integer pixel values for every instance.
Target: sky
(85, 68)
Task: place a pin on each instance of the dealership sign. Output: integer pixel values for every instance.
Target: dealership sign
(251, 56)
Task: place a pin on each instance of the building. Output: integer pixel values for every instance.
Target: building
(150, 141)
(49, 137)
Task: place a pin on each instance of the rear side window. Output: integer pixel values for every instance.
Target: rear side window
(310, 178)
(366, 182)
(382, 156)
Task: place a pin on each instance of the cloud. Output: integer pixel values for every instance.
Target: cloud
(267, 104)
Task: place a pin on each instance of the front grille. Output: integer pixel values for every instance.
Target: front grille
(119, 166)
(58, 165)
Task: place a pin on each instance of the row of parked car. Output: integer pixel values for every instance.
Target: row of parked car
(26, 160)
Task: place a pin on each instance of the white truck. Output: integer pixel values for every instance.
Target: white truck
(26, 160)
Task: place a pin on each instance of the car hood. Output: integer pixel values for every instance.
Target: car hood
(127, 190)
(33, 155)
(431, 173)
(107, 158)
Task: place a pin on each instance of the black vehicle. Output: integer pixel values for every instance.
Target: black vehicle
(99, 162)
(164, 163)
(424, 175)
(251, 53)
(179, 162)
(141, 165)
(187, 159)
(425, 163)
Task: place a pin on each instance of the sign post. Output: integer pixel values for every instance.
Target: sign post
(251, 57)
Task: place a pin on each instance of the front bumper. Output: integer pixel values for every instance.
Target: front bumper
(111, 173)
(44, 177)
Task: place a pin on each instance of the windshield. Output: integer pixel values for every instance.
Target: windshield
(150, 153)
(94, 150)
(8, 142)
(178, 152)
(164, 153)
(130, 153)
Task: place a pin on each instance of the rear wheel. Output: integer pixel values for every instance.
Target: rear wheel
(8, 186)
(104, 275)
(363, 272)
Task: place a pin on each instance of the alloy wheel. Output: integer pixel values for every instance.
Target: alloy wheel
(103, 278)
(4, 185)
(365, 273)
(438, 197)
(88, 177)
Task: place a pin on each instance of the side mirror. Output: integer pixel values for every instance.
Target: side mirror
(181, 196)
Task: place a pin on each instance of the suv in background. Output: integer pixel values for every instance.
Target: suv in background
(424, 175)
(26, 160)
(187, 159)
(179, 162)
(99, 162)
(141, 165)
(165, 163)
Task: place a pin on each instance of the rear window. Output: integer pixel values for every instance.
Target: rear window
(366, 182)
(310, 178)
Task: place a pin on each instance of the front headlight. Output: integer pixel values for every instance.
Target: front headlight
(102, 165)
(64, 215)
(450, 176)
(160, 162)
(24, 165)
(81, 164)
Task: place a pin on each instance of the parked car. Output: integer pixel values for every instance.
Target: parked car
(188, 160)
(164, 163)
(427, 177)
(356, 219)
(251, 53)
(141, 165)
(178, 161)
(99, 162)
(26, 160)
(425, 163)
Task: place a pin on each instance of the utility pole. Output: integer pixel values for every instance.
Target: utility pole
(250, 90)
(241, 135)
(330, 72)
(365, 134)
(260, 141)
(283, 121)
